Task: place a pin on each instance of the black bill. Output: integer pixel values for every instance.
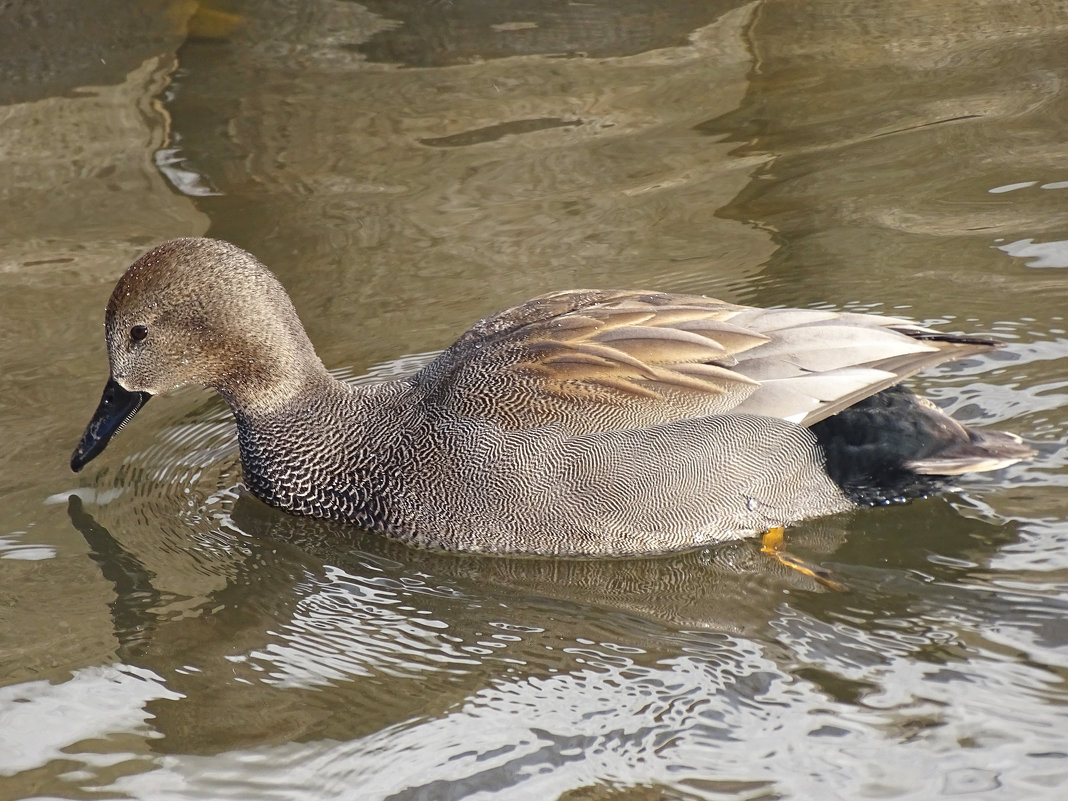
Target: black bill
(117, 406)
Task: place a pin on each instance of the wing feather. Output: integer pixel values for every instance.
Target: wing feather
(590, 360)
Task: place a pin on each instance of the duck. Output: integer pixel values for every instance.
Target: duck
(579, 423)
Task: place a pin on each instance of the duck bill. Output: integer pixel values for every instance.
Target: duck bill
(117, 407)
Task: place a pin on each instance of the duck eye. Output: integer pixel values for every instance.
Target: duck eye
(138, 332)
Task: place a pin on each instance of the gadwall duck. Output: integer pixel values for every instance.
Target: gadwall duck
(578, 423)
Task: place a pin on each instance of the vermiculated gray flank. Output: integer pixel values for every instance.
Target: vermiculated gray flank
(580, 422)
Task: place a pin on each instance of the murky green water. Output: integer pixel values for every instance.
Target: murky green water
(406, 168)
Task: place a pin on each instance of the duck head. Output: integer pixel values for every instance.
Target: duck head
(197, 311)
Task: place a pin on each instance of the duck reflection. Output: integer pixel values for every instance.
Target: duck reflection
(319, 630)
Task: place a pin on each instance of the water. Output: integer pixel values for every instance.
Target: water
(407, 168)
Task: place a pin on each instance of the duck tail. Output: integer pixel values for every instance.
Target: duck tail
(897, 445)
(982, 450)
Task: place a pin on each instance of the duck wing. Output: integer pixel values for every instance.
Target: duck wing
(592, 360)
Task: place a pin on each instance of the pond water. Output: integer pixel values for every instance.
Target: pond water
(406, 168)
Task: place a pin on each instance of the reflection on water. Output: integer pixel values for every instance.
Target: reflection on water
(408, 168)
(463, 31)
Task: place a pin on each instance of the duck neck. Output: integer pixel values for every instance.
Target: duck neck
(321, 454)
(262, 376)
(265, 390)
